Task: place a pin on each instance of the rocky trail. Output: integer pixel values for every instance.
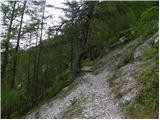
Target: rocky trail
(91, 98)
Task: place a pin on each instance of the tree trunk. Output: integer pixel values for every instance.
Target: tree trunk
(29, 63)
(76, 66)
(16, 49)
(90, 54)
(40, 41)
(5, 62)
(38, 60)
(71, 59)
(34, 71)
(83, 41)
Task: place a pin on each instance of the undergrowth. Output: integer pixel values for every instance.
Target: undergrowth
(145, 104)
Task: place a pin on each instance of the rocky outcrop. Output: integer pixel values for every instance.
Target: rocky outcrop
(146, 45)
(122, 40)
(87, 69)
(124, 80)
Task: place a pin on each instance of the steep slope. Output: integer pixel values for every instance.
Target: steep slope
(114, 88)
(134, 77)
(124, 81)
(135, 83)
(114, 38)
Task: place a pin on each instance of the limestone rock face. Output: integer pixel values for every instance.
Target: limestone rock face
(120, 41)
(146, 45)
(87, 69)
(123, 39)
(125, 82)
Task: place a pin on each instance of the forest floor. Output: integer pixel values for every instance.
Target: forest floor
(90, 98)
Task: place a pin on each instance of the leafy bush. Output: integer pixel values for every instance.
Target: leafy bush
(150, 14)
(126, 58)
(147, 24)
(12, 102)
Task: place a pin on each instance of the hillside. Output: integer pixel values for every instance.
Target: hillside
(113, 90)
(100, 61)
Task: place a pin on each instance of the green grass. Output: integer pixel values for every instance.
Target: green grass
(146, 103)
(86, 62)
(126, 58)
(97, 62)
(150, 53)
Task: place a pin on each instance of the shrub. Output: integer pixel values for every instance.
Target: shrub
(149, 15)
(126, 58)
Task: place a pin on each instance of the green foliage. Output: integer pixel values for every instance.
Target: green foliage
(145, 104)
(58, 87)
(149, 15)
(147, 24)
(111, 21)
(56, 76)
(19, 98)
(97, 63)
(14, 99)
(126, 58)
(150, 53)
(86, 62)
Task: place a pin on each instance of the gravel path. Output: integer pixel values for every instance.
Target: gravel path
(101, 104)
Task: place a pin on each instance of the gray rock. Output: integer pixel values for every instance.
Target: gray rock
(156, 38)
(66, 88)
(123, 39)
(126, 83)
(143, 47)
(87, 69)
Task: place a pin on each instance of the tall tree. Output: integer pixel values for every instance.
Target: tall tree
(35, 68)
(84, 37)
(17, 47)
(38, 57)
(5, 60)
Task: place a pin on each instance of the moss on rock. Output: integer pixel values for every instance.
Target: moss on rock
(76, 109)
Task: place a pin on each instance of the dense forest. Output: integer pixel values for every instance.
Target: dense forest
(40, 59)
